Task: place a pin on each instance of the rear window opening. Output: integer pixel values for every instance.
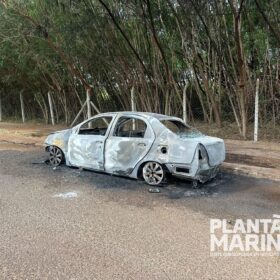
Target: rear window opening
(181, 129)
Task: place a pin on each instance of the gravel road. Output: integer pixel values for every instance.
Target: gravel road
(74, 224)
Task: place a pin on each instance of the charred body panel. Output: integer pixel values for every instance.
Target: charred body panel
(59, 139)
(122, 143)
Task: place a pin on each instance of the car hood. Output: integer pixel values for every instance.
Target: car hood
(59, 138)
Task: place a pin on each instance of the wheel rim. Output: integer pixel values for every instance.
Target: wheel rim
(55, 156)
(153, 173)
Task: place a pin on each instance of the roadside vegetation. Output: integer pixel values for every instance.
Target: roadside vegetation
(214, 50)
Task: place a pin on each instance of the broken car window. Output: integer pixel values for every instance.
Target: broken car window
(181, 129)
(130, 127)
(96, 126)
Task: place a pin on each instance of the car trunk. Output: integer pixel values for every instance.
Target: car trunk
(215, 149)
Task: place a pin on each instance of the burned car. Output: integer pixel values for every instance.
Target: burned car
(138, 145)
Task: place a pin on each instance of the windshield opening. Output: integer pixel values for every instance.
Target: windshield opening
(181, 129)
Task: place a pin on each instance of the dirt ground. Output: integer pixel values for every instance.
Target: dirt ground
(27, 134)
(113, 228)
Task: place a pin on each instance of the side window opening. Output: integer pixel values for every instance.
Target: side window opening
(97, 126)
(130, 127)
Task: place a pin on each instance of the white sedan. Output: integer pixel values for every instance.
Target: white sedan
(138, 145)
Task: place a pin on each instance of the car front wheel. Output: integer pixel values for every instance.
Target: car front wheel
(153, 173)
(55, 156)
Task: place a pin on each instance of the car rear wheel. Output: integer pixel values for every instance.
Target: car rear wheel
(55, 156)
(153, 173)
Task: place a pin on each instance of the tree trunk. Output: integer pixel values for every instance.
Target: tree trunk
(242, 85)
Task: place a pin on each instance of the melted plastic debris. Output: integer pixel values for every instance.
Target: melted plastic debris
(66, 195)
(154, 190)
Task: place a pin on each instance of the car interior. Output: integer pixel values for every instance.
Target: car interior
(126, 127)
(96, 126)
(130, 127)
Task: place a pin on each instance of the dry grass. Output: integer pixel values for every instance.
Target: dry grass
(229, 130)
(28, 133)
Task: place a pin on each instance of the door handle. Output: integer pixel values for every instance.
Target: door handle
(99, 142)
(142, 144)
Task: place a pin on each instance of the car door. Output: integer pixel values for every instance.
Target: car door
(129, 141)
(86, 144)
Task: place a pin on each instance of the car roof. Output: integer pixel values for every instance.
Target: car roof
(143, 114)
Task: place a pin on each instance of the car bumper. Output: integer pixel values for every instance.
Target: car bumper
(202, 174)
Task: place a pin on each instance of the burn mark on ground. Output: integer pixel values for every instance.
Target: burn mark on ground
(227, 196)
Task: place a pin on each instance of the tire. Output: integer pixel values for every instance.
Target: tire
(195, 184)
(56, 156)
(153, 173)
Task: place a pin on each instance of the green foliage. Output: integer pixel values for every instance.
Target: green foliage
(61, 45)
